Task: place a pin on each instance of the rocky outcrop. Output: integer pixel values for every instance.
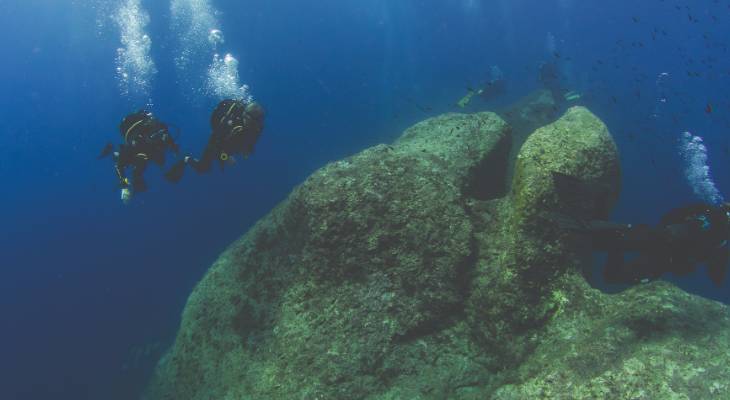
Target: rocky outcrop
(411, 271)
(535, 110)
(520, 275)
(650, 342)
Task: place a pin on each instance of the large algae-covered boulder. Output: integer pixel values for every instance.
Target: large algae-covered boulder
(322, 298)
(577, 145)
(409, 272)
(477, 162)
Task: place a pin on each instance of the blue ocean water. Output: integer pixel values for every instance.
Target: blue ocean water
(92, 289)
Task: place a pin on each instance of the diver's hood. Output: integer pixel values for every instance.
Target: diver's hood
(255, 111)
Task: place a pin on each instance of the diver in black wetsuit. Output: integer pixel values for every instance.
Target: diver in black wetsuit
(145, 139)
(495, 87)
(550, 78)
(686, 236)
(236, 127)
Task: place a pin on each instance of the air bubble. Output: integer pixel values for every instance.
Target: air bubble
(135, 67)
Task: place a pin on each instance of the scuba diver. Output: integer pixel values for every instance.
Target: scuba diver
(145, 139)
(685, 236)
(549, 77)
(494, 88)
(236, 127)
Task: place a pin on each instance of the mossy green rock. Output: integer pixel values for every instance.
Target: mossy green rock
(578, 145)
(327, 296)
(650, 342)
(408, 272)
(535, 110)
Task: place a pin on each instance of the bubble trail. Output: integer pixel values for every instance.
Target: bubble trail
(215, 37)
(135, 67)
(223, 80)
(195, 22)
(550, 46)
(200, 36)
(694, 153)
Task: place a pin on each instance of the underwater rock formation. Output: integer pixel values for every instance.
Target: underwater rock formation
(520, 270)
(536, 109)
(411, 271)
(650, 342)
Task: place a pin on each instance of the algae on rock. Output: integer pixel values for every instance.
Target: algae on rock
(366, 257)
(514, 290)
(535, 110)
(412, 271)
(650, 342)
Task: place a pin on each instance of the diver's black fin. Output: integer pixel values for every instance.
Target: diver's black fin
(639, 270)
(566, 222)
(614, 269)
(574, 193)
(176, 172)
(645, 268)
(179, 132)
(571, 223)
(566, 184)
(678, 265)
(138, 184)
(106, 151)
(717, 266)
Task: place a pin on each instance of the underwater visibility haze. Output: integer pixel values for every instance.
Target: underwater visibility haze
(495, 199)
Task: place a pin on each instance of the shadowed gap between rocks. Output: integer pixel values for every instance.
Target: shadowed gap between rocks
(488, 179)
(492, 178)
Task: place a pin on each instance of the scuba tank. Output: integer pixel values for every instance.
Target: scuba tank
(142, 127)
(228, 122)
(228, 116)
(236, 126)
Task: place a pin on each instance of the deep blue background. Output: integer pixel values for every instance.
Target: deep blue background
(85, 279)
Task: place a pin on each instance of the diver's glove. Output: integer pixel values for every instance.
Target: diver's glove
(176, 172)
(106, 151)
(126, 195)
